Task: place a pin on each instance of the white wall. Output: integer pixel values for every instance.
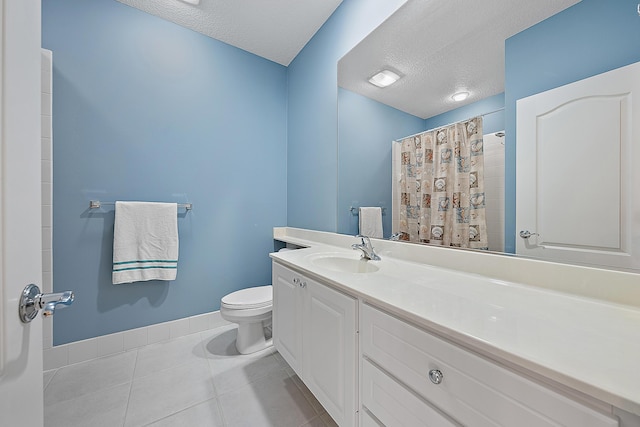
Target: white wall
(494, 190)
(395, 194)
(47, 187)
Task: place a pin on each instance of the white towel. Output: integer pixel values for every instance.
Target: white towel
(145, 242)
(371, 222)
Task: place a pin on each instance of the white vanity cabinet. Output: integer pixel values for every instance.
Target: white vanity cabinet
(315, 331)
(411, 378)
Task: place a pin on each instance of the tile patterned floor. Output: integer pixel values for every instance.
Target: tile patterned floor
(196, 380)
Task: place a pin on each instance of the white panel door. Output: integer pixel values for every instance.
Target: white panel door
(20, 234)
(329, 347)
(577, 168)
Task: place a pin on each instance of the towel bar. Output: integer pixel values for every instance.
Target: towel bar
(355, 211)
(96, 204)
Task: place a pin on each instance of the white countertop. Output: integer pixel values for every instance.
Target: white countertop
(587, 344)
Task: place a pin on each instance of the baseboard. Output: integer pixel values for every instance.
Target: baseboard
(80, 351)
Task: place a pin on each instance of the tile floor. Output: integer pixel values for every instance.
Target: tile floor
(196, 380)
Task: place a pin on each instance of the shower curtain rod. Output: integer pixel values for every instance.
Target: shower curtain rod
(444, 126)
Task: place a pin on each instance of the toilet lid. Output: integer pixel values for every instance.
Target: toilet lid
(256, 297)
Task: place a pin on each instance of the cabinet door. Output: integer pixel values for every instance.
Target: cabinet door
(287, 319)
(330, 350)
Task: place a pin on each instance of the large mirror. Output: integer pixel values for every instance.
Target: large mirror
(497, 51)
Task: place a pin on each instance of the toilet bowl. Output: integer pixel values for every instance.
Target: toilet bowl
(251, 309)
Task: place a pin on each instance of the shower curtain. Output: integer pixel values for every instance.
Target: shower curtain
(442, 187)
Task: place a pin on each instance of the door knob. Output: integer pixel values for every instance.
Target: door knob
(32, 301)
(525, 234)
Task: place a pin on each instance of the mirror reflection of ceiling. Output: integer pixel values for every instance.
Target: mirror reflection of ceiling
(441, 47)
(276, 29)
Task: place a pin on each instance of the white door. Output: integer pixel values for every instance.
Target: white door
(577, 172)
(20, 232)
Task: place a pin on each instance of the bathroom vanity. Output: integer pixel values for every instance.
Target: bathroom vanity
(400, 342)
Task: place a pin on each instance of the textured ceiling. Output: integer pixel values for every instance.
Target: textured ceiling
(441, 47)
(274, 29)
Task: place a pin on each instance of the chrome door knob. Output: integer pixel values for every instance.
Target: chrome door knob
(436, 376)
(525, 234)
(32, 301)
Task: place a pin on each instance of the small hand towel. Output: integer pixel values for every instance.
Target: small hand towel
(145, 242)
(371, 221)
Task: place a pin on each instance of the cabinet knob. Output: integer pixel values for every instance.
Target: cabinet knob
(436, 376)
(298, 282)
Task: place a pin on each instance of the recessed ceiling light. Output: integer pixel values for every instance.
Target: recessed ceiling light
(384, 78)
(460, 96)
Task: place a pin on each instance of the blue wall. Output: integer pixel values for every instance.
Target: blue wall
(366, 129)
(147, 110)
(590, 38)
(312, 112)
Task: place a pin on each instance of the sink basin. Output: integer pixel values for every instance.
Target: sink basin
(345, 264)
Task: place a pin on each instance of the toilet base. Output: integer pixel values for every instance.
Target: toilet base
(251, 338)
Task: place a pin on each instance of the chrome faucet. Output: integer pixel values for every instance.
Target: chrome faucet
(367, 249)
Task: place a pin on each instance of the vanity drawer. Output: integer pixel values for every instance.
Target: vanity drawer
(393, 404)
(473, 390)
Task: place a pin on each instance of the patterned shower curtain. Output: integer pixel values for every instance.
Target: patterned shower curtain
(442, 187)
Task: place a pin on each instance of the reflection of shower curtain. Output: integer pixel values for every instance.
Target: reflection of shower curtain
(442, 187)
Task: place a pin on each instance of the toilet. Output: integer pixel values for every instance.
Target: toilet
(251, 309)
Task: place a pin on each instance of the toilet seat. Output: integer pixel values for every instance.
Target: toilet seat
(256, 297)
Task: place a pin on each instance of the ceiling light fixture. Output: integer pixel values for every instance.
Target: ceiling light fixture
(384, 78)
(460, 96)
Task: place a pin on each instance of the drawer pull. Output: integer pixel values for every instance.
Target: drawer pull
(435, 375)
(296, 281)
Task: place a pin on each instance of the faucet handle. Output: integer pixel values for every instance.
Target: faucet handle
(361, 236)
(367, 248)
